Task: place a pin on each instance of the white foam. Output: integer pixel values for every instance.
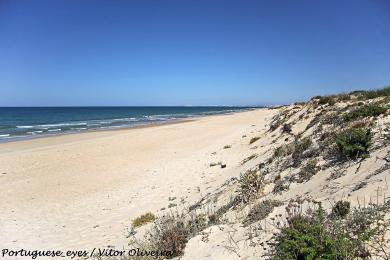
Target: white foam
(54, 130)
(62, 124)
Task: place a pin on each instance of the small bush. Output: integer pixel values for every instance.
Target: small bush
(324, 100)
(364, 111)
(330, 100)
(300, 147)
(253, 139)
(251, 183)
(286, 128)
(353, 143)
(311, 234)
(283, 150)
(260, 211)
(309, 170)
(280, 186)
(215, 164)
(331, 119)
(171, 205)
(143, 219)
(227, 146)
(341, 209)
(306, 237)
(170, 233)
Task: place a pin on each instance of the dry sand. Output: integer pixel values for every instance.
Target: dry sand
(81, 191)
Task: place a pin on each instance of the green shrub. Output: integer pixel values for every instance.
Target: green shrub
(311, 234)
(143, 219)
(364, 111)
(306, 237)
(353, 143)
(341, 209)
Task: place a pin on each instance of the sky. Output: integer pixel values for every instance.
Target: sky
(140, 53)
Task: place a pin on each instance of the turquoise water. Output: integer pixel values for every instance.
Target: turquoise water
(27, 122)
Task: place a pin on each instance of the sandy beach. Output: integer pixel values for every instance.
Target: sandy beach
(81, 191)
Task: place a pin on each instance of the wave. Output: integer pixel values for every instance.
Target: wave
(5, 135)
(62, 124)
(34, 132)
(126, 119)
(54, 130)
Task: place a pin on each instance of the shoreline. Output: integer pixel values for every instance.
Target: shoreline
(124, 128)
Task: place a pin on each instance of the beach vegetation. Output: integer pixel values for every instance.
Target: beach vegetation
(171, 205)
(307, 171)
(143, 219)
(301, 150)
(341, 209)
(312, 234)
(260, 211)
(280, 186)
(247, 159)
(215, 164)
(325, 100)
(371, 110)
(353, 143)
(170, 233)
(251, 183)
(254, 139)
(371, 94)
(286, 128)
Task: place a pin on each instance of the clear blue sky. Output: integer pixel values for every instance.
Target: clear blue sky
(74, 52)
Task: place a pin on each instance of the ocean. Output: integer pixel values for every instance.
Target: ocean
(28, 122)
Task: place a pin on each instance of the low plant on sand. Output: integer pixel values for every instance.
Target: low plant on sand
(170, 233)
(254, 139)
(307, 171)
(364, 111)
(260, 211)
(353, 143)
(251, 183)
(313, 234)
(143, 219)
